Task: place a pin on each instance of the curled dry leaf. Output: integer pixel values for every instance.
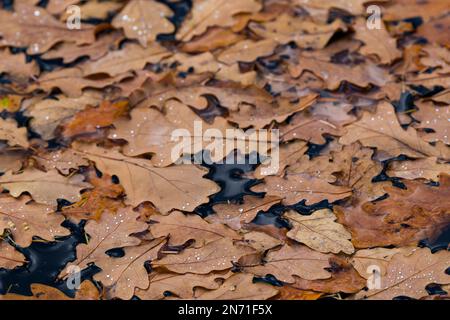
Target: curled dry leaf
(404, 218)
(26, 219)
(44, 187)
(168, 188)
(320, 232)
(240, 286)
(144, 20)
(180, 228)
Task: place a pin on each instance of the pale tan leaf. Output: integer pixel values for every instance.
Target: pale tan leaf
(44, 187)
(320, 232)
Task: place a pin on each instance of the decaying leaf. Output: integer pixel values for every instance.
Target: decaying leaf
(404, 218)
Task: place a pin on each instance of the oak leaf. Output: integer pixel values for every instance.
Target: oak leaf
(48, 114)
(26, 219)
(426, 168)
(240, 286)
(404, 218)
(320, 232)
(237, 215)
(180, 285)
(295, 187)
(110, 232)
(293, 260)
(44, 187)
(408, 275)
(383, 131)
(168, 188)
(436, 118)
(144, 20)
(121, 276)
(333, 74)
(209, 13)
(131, 57)
(35, 28)
(180, 228)
(9, 256)
(305, 33)
(376, 41)
(219, 255)
(12, 134)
